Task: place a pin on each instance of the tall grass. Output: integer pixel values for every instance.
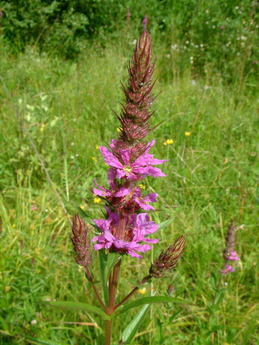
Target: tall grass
(54, 114)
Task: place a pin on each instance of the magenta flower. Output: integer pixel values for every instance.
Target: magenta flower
(127, 197)
(233, 256)
(125, 234)
(228, 269)
(124, 166)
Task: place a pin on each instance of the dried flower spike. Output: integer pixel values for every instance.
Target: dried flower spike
(168, 259)
(80, 242)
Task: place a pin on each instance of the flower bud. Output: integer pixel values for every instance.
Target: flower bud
(168, 259)
(80, 242)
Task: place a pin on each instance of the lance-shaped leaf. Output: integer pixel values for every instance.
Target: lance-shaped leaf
(147, 300)
(78, 306)
(130, 331)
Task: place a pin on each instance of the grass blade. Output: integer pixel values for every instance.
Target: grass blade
(41, 341)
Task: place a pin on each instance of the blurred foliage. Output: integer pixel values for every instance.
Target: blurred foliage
(220, 34)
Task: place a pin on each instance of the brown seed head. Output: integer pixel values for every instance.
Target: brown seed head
(81, 242)
(168, 259)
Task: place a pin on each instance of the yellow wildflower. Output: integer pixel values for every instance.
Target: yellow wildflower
(83, 207)
(142, 291)
(97, 200)
(94, 159)
(169, 142)
(97, 147)
(7, 288)
(142, 186)
(187, 134)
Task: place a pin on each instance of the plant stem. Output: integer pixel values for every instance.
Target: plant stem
(108, 332)
(90, 279)
(113, 284)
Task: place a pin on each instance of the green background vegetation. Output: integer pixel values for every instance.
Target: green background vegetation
(61, 64)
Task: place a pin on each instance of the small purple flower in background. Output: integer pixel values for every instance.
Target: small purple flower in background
(230, 255)
(228, 269)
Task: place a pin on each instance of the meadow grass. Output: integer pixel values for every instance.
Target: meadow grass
(54, 115)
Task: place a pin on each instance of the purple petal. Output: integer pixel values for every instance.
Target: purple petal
(122, 192)
(120, 173)
(149, 145)
(149, 240)
(125, 155)
(147, 159)
(101, 192)
(102, 224)
(155, 172)
(111, 177)
(96, 238)
(99, 246)
(151, 197)
(113, 144)
(108, 236)
(110, 159)
(143, 248)
(134, 254)
(142, 204)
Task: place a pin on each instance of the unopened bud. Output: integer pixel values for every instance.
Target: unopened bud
(81, 242)
(168, 259)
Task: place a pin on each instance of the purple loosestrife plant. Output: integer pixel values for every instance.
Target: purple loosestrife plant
(230, 255)
(127, 228)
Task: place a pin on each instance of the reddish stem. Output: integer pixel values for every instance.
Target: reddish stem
(113, 284)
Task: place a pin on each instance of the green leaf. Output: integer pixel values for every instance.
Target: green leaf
(147, 300)
(103, 257)
(76, 306)
(130, 331)
(40, 341)
(107, 261)
(113, 258)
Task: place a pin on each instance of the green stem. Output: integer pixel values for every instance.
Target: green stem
(113, 284)
(91, 280)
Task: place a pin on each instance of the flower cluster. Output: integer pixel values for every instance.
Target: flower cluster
(126, 226)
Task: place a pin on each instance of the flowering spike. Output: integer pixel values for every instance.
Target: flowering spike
(125, 229)
(80, 242)
(168, 259)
